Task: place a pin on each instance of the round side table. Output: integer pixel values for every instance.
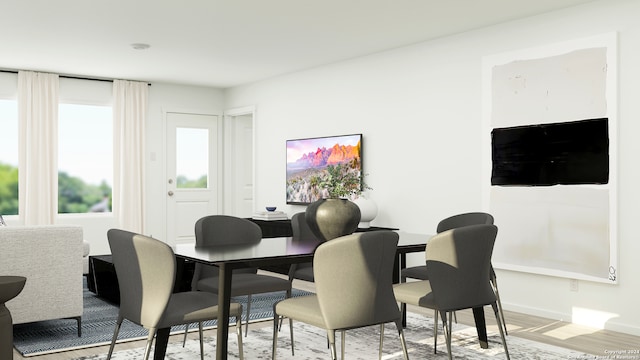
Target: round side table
(10, 287)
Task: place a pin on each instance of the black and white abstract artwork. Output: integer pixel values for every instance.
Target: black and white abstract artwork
(550, 158)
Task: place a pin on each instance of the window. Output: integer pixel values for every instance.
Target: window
(192, 158)
(85, 158)
(8, 157)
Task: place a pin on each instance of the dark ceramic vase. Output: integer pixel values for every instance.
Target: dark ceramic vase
(332, 218)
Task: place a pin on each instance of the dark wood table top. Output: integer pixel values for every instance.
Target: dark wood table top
(273, 251)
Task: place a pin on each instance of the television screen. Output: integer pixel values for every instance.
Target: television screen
(307, 161)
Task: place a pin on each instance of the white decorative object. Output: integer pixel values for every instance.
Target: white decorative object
(270, 215)
(368, 210)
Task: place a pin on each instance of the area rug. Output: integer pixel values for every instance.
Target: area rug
(363, 344)
(99, 320)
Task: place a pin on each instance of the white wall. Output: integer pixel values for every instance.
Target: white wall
(420, 110)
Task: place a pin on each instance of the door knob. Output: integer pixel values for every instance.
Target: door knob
(170, 193)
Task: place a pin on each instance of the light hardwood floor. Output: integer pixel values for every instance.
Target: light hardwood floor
(553, 332)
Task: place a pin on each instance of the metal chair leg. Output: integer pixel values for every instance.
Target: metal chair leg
(201, 336)
(381, 341)
(147, 349)
(114, 338)
(494, 284)
(275, 336)
(435, 331)
(239, 333)
(186, 331)
(331, 336)
(504, 340)
(246, 329)
(449, 334)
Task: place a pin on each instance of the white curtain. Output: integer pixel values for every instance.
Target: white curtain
(38, 147)
(129, 116)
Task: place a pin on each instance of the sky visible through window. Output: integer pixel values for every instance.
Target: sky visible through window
(85, 148)
(9, 132)
(192, 153)
(85, 143)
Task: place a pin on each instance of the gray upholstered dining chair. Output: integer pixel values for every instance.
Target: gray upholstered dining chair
(225, 230)
(146, 270)
(301, 232)
(353, 279)
(458, 264)
(452, 222)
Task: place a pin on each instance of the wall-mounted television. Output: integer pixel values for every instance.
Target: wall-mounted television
(307, 160)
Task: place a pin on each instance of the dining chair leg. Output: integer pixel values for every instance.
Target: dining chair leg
(291, 335)
(275, 335)
(246, 325)
(446, 324)
(201, 340)
(495, 290)
(504, 340)
(186, 331)
(342, 343)
(403, 342)
(331, 335)
(435, 331)
(381, 341)
(147, 349)
(403, 311)
(239, 333)
(446, 327)
(115, 337)
(287, 295)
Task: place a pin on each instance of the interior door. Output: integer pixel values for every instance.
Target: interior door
(239, 162)
(193, 176)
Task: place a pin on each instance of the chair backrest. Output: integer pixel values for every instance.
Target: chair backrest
(300, 228)
(226, 230)
(465, 219)
(353, 278)
(458, 265)
(223, 230)
(146, 270)
(301, 232)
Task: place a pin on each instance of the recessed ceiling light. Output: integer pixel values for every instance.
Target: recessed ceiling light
(140, 46)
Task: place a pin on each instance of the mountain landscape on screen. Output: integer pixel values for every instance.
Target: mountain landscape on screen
(307, 161)
(338, 154)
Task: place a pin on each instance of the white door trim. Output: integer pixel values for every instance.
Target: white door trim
(229, 152)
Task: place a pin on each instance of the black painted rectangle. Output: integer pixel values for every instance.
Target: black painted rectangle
(567, 153)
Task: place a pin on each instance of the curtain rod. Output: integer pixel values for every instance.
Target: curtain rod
(66, 76)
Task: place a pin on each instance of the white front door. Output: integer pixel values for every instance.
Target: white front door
(193, 174)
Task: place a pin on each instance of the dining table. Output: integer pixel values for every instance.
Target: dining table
(273, 252)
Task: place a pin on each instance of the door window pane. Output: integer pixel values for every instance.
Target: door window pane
(192, 158)
(85, 158)
(8, 157)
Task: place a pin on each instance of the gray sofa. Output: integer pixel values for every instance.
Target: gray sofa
(51, 258)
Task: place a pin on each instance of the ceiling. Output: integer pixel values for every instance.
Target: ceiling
(224, 43)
